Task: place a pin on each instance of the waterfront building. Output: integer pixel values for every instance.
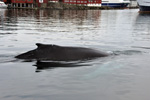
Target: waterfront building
(44, 3)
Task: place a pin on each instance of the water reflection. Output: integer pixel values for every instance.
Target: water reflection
(142, 24)
(42, 15)
(69, 15)
(51, 65)
(26, 20)
(2, 17)
(8, 22)
(141, 31)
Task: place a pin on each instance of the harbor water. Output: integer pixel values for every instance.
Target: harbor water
(125, 75)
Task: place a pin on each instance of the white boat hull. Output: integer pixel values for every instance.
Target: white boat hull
(2, 5)
(144, 5)
(115, 3)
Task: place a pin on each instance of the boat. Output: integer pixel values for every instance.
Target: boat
(2, 5)
(144, 5)
(115, 3)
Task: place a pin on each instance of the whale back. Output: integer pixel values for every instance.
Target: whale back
(60, 53)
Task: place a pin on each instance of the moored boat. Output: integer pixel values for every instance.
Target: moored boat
(2, 5)
(144, 5)
(115, 3)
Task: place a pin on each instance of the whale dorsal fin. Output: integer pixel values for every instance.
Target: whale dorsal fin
(40, 45)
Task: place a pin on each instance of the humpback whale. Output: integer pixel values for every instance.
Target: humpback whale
(60, 53)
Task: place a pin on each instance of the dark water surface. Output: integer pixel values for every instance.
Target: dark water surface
(120, 77)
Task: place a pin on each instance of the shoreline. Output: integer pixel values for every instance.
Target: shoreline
(63, 6)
